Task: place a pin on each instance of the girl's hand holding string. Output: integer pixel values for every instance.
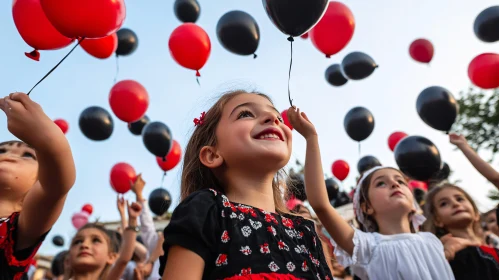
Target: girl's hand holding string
(134, 210)
(301, 123)
(138, 187)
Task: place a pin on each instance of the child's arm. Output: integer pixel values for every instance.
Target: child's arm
(315, 186)
(480, 165)
(120, 203)
(56, 170)
(128, 244)
(183, 264)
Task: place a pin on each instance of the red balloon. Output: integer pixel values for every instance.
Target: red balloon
(334, 30)
(101, 48)
(421, 50)
(395, 138)
(129, 100)
(87, 208)
(484, 71)
(88, 19)
(122, 176)
(172, 159)
(304, 36)
(340, 169)
(63, 125)
(284, 116)
(190, 46)
(418, 185)
(35, 29)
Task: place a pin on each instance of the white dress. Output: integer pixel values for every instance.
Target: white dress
(408, 256)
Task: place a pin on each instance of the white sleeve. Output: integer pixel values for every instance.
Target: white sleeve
(128, 273)
(363, 245)
(147, 228)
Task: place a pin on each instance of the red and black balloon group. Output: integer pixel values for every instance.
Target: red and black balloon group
(330, 25)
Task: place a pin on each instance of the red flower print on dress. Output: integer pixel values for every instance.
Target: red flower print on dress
(269, 218)
(282, 245)
(273, 266)
(290, 232)
(327, 278)
(255, 225)
(290, 266)
(314, 240)
(271, 229)
(245, 271)
(304, 249)
(225, 201)
(221, 260)
(223, 214)
(264, 249)
(245, 250)
(318, 276)
(307, 228)
(213, 191)
(300, 235)
(233, 215)
(247, 210)
(314, 260)
(304, 266)
(287, 222)
(241, 217)
(246, 230)
(225, 236)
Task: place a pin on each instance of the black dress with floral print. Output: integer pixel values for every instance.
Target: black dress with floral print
(242, 242)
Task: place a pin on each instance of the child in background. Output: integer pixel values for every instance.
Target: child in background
(58, 265)
(96, 254)
(384, 204)
(453, 214)
(232, 222)
(35, 178)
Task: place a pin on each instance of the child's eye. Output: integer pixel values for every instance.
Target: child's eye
(28, 154)
(443, 204)
(3, 151)
(380, 183)
(280, 119)
(76, 242)
(402, 182)
(96, 240)
(245, 114)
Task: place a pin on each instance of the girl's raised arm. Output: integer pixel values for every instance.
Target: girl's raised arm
(315, 186)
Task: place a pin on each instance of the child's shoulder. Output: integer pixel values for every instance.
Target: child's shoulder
(204, 196)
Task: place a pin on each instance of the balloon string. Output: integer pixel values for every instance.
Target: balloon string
(359, 150)
(197, 80)
(163, 179)
(117, 69)
(57, 65)
(290, 39)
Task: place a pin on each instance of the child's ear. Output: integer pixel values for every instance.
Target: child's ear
(366, 209)
(210, 157)
(112, 258)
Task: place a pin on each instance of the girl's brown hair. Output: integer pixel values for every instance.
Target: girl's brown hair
(196, 176)
(364, 200)
(430, 211)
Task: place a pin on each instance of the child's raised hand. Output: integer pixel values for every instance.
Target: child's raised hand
(27, 121)
(301, 123)
(138, 185)
(134, 210)
(458, 140)
(120, 203)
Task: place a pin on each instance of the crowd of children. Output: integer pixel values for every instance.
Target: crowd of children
(233, 221)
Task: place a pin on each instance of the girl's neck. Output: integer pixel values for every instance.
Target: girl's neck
(252, 190)
(7, 206)
(465, 233)
(394, 225)
(92, 275)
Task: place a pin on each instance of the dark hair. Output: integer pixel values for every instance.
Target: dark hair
(14, 142)
(57, 266)
(196, 176)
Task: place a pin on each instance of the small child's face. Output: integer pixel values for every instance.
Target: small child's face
(491, 222)
(251, 134)
(90, 250)
(453, 209)
(18, 169)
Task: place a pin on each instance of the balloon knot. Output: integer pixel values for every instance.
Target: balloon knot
(328, 56)
(377, 66)
(35, 55)
(290, 38)
(255, 56)
(198, 74)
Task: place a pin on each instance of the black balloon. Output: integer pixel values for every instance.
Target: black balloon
(238, 32)
(437, 107)
(157, 138)
(127, 42)
(342, 199)
(58, 241)
(96, 123)
(137, 127)
(486, 25)
(418, 158)
(332, 189)
(358, 66)
(295, 17)
(159, 201)
(442, 174)
(359, 123)
(296, 187)
(367, 163)
(334, 76)
(187, 10)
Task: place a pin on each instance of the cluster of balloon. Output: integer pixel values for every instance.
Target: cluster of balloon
(358, 66)
(122, 176)
(437, 107)
(285, 119)
(96, 123)
(101, 48)
(35, 28)
(421, 50)
(335, 29)
(486, 24)
(418, 158)
(137, 126)
(187, 10)
(296, 187)
(58, 241)
(127, 42)
(129, 100)
(157, 138)
(483, 71)
(359, 123)
(441, 175)
(395, 138)
(159, 201)
(334, 75)
(80, 219)
(340, 169)
(63, 125)
(332, 188)
(239, 33)
(172, 159)
(366, 163)
(190, 46)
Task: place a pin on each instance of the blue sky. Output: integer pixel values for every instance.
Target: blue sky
(384, 30)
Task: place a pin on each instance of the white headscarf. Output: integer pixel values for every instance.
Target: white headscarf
(417, 219)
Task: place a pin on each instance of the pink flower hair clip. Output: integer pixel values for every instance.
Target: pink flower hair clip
(200, 121)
